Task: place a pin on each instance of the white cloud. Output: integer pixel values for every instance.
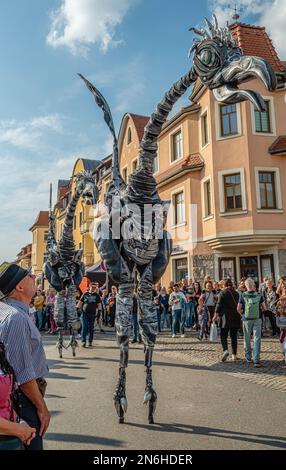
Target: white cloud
(78, 24)
(27, 135)
(269, 13)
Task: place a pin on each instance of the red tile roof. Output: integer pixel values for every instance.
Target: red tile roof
(140, 122)
(279, 146)
(255, 41)
(25, 252)
(192, 162)
(41, 220)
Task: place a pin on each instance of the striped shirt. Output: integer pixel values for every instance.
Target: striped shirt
(23, 342)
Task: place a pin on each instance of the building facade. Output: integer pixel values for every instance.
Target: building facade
(222, 167)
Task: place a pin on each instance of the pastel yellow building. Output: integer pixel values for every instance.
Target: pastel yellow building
(24, 258)
(39, 233)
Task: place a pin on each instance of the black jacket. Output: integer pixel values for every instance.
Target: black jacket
(226, 308)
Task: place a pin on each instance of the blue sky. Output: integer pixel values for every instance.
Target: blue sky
(133, 50)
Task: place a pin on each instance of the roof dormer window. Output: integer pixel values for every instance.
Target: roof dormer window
(129, 136)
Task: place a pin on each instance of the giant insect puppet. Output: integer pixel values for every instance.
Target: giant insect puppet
(136, 258)
(64, 268)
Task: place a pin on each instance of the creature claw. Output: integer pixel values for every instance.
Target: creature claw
(117, 407)
(123, 403)
(147, 397)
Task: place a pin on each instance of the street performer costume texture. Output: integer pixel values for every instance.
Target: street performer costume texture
(64, 268)
(137, 254)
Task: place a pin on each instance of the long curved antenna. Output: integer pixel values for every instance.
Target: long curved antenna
(117, 180)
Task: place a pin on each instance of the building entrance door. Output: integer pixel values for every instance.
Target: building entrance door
(249, 267)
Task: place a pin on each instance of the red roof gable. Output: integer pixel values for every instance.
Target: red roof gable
(41, 220)
(279, 146)
(255, 41)
(140, 122)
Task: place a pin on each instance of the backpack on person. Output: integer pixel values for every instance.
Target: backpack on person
(251, 305)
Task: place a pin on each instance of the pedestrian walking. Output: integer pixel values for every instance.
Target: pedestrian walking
(165, 315)
(229, 319)
(251, 306)
(177, 301)
(89, 303)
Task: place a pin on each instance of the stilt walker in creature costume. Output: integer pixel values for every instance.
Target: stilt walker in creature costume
(64, 268)
(137, 255)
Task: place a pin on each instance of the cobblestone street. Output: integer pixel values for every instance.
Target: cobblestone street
(272, 374)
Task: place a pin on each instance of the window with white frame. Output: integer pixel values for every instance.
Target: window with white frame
(208, 198)
(267, 190)
(204, 129)
(228, 120)
(177, 146)
(263, 123)
(233, 192)
(129, 136)
(179, 208)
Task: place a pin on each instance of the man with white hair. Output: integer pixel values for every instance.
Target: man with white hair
(250, 306)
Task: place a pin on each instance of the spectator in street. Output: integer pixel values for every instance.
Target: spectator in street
(229, 319)
(196, 295)
(13, 434)
(206, 280)
(281, 288)
(32, 311)
(50, 307)
(251, 306)
(281, 324)
(104, 299)
(111, 306)
(203, 318)
(89, 303)
(171, 287)
(39, 301)
(24, 349)
(216, 288)
(270, 298)
(177, 302)
(164, 302)
(189, 311)
(209, 299)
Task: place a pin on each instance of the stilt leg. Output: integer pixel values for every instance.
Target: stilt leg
(148, 323)
(120, 400)
(150, 396)
(124, 306)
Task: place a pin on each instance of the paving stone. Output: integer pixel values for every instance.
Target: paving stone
(272, 374)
